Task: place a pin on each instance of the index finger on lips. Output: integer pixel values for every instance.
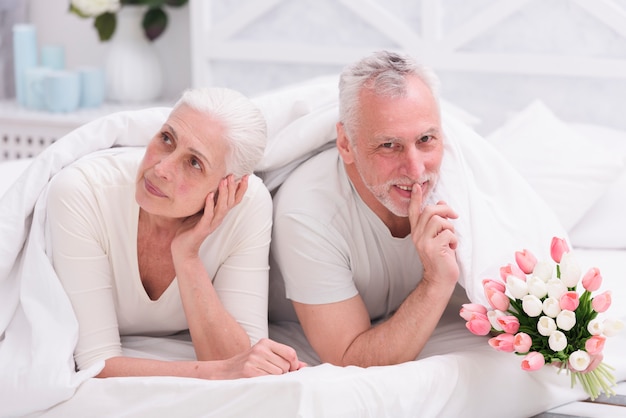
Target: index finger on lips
(415, 204)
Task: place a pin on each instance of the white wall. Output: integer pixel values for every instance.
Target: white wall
(55, 25)
(545, 28)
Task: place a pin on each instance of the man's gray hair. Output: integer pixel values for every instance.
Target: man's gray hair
(383, 72)
(245, 125)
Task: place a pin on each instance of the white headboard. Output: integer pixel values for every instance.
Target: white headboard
(493, 56)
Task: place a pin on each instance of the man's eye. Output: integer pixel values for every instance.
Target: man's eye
(425, 138)
(195, 163)
(387, 145)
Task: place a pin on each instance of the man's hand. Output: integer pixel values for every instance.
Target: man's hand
(433, 234)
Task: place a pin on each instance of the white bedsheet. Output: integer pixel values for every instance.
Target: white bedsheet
(472, 381)
(499, 214)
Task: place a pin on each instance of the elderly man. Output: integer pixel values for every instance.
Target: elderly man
(365, 256)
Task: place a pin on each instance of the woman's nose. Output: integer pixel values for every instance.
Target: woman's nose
(164, 168)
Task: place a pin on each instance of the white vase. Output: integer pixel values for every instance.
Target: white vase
(133, 70)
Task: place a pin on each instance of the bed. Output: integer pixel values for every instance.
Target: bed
(542, 137)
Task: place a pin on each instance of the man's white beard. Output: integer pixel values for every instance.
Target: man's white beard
(381, 192)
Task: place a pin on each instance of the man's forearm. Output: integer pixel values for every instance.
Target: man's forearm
(403, 336)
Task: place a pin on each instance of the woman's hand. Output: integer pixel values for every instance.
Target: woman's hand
(196, 228)
(265, 357)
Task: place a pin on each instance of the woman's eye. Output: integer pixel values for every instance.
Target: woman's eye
(166, 138)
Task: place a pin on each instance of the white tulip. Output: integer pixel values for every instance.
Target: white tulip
(543, 270)
(532, 305)
(557, 341)
(516, 286)
(546, 326)
(493, 319)
(551, 307)
(556, 288)
(595, 327)
(570, 270)
(537, 287)
(566, 320)
(579, 360)
(93, 8)
(612, 327)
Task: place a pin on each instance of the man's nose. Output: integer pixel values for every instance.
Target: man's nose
(413, 163)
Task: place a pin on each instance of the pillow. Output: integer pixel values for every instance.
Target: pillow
(459, 113)
(601, 227)
(569, 171)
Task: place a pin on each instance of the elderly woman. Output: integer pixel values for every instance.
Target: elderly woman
(170, 238)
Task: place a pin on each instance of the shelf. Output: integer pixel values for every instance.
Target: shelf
(24, 133)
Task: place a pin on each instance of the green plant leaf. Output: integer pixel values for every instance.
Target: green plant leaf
(154, 23)
(154, 4)
(140, 2)
(175, 3)
(105, 25)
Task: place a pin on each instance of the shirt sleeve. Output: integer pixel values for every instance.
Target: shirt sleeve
(242, 279)
(78, 248)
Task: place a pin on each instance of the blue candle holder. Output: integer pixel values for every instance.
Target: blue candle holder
(24, 56)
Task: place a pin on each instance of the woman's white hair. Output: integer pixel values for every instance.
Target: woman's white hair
(383, 72)
(244, 124)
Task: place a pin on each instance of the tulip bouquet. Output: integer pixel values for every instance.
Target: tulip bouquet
(536, 311)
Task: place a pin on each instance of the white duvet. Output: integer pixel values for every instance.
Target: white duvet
(459, 374)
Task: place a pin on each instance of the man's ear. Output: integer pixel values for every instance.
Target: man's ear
(343, 144)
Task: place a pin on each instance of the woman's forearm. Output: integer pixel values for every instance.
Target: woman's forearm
(214, 332)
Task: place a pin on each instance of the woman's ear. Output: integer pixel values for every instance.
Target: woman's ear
(343, 144)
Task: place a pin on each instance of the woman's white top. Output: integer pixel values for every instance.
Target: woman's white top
(93, 220)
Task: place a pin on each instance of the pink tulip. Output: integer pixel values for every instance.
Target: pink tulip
(512, 269)
(468, 309)
(569, 301)
(592, 279)
(497, 299)
(522, 342)
(595, 362)
(601, 302)
(502, 342)
(533, 361)
(595, 344)
(494, 284)
(508, 323)
(558, 247)
(526, 261)
(479, 324)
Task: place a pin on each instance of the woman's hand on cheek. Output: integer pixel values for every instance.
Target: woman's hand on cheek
(196, 228)
(230, 193)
